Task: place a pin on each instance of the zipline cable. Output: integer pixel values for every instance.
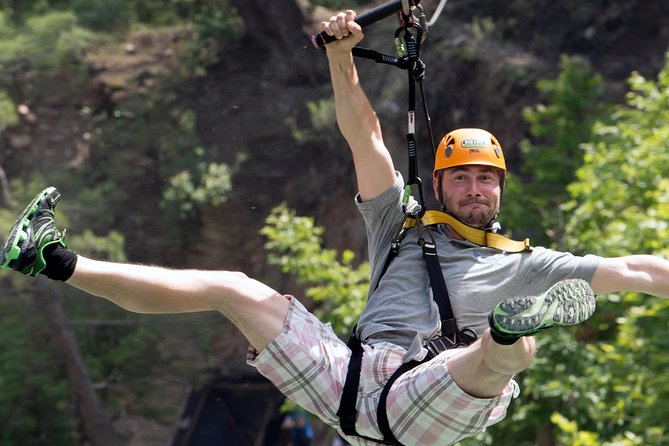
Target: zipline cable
(437, 13)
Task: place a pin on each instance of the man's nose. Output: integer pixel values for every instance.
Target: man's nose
(473, 187)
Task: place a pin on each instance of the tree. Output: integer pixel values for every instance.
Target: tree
(279, 26)
(97, 425)
(338, 288)
(604, 383)
(95, 422)
(558, 127)
(620, 205)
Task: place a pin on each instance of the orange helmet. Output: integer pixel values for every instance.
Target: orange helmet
(469, 146)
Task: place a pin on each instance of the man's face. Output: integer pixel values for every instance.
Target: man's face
(470, 193)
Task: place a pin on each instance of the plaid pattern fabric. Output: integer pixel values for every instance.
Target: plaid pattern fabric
(308, 364)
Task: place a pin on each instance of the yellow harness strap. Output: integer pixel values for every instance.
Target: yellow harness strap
(474, 235)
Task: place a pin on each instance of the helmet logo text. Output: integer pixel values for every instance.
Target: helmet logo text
(474, 142)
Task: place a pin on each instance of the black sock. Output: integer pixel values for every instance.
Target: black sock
(60, 262)
(503, 339)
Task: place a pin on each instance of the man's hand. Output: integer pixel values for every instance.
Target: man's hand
(345, 30)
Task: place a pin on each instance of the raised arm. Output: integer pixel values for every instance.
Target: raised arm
(638, 273)
(356, 118)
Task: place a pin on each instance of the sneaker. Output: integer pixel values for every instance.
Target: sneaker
(569, 302)
(34, 230)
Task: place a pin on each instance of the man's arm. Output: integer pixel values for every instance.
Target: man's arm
(639, 273)
(356, 118)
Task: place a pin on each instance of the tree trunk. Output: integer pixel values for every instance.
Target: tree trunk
(281, 30)
(5, 197)
(278, 26)
(97, 425)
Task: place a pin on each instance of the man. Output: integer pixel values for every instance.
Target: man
(451, 396)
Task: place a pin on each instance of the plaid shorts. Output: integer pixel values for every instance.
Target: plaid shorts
(308, 364)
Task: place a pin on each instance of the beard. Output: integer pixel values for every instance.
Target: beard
(478, 216)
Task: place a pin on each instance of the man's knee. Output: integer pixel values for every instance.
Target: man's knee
(255, 308)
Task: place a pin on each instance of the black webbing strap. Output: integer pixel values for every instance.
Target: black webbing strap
(347, 411)
(377, 57)
(381, 413)
(415, 70)
(439, 290)
(451, 335)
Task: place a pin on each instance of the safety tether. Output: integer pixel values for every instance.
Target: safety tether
(408, 59)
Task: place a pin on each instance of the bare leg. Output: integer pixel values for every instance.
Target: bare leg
(256, 309)
(485, 367)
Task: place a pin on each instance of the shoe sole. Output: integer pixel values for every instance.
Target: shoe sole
(11, 250)
(569, 302)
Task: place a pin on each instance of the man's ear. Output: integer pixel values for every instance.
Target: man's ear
(436, 185)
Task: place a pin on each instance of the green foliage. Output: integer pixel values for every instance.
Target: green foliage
(569, 433)
(322, 127)
(559, 128)
(194, 181)
(610, 390)
(340, 289)
(89, 244)
(8, 114)
(621, 199)
(203, 185)
(103, 15)
(118, 15)
(49, 34)
(620, 205)
(44, 41)
(118, 347)
(216, 20)
(34, 396)
(167, 157)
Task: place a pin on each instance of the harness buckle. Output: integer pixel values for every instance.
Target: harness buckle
(455, 339)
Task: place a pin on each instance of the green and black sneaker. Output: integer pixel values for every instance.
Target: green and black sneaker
(34, 230)
(568, 302)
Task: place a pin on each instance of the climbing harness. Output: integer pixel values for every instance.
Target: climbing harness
(408, 39)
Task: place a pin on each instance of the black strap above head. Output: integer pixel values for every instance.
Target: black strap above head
(409, 53)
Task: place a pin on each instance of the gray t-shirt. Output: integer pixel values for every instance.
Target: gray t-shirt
(402, 311)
